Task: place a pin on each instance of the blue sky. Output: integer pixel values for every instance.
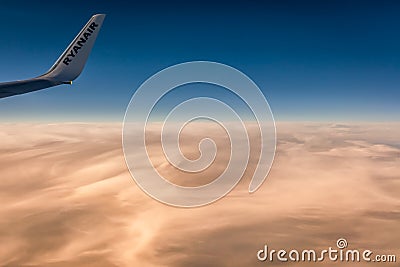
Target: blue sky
(313, 60)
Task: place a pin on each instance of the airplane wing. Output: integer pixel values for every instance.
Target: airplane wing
(67, 67)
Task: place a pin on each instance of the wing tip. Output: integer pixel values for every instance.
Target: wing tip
(99, 15)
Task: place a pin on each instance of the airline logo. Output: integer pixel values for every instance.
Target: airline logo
(80, 43)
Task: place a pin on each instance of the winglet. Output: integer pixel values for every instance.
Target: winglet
(71, 62)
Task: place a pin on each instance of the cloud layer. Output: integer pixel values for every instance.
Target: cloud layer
(68, 198)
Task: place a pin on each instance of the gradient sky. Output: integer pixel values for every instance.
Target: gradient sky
(313, 60)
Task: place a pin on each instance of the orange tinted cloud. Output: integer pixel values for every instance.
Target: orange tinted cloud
(68, 198)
